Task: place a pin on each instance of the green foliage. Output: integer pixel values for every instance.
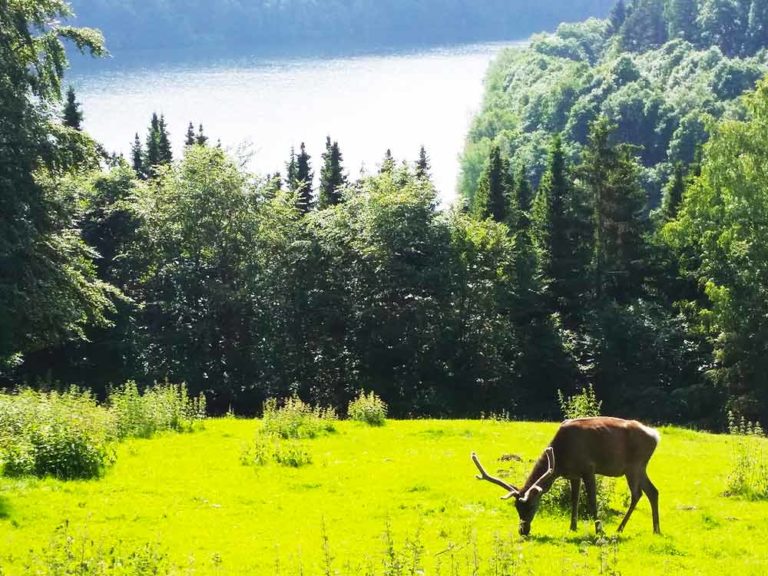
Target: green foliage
(163, 407)
(721, 236)
(267, 448)
(368, 408)
(658, 96)
(65, 435)
(294, 419)
(748, 477)
(582, 405)
(67, 554)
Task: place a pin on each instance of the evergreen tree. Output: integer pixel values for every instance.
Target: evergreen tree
(388, 164)
(610, 173)
(673, 194)
(152, 147)
(72, 116)
(331, 175)
(523, 200)
(422, 164)
(189, 139)
(302, 183)
(645, 26)
(722, 24)
(562, 232)
(137, 158)
(201, 139)
(618, 15)
(681, 19)
(494, 190)
(757, 26)
(164, 143)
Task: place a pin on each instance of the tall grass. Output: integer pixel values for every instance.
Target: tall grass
(284, 427)
(749, 473)
(68, 435)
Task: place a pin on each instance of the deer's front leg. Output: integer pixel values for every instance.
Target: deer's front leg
(591, 487)
(575, 487)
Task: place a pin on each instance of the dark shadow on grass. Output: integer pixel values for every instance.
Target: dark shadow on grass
(5, 508)
(576, 538)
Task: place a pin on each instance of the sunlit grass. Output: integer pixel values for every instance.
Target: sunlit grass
(191, 497)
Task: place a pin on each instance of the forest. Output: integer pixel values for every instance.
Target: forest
(323, 24)
(593, 248)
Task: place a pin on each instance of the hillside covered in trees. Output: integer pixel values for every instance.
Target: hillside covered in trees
(323, 24)
(661, 70)
(249, 286)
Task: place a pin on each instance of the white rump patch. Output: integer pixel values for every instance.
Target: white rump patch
(652, 432)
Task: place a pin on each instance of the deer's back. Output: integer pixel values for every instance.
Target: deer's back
(607, 446)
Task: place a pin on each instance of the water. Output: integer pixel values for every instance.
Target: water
(264, 105)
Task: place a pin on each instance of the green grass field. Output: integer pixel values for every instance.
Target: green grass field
(401, 499)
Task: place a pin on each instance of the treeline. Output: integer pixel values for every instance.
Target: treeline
(193, 270)
(661, 95)
(131, 24)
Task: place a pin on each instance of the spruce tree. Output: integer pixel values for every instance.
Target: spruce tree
(164, 142)
(189, 139)
(388, 164)
(523, 199)
(303, 181)
(673, 194)
(611, 175)
(331, 175)
(137, 157)
(681, 19)
(494, 189)
(201, 139)
(617, 15)
(152, 157)
(72, 116)
(757, 26)
(422, 165)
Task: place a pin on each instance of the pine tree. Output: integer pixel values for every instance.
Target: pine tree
(523, 199)
(611, 175)
(137, 157)
(681, 19)
(164, 143)
(152, 157)
(673, 194)
(494, 189)
(303, 180)
(201, 139)
(189, 140)
(757, 26)
(645, 26)
(72, 116)
(422, 165)
(617, 15)
(388, 164)
(331, 175)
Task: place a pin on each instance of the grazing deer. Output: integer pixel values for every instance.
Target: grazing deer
(580, 449)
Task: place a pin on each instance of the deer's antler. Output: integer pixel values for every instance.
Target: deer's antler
(512, 491)
(550, 453)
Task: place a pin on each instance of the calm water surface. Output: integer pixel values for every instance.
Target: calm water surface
(266, 105)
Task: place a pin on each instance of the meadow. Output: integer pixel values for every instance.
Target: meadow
(395, 499)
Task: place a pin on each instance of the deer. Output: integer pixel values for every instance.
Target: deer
(581, 448)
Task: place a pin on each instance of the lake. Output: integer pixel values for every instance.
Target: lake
(260, 106)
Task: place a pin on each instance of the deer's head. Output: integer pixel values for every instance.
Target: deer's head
(526, 502)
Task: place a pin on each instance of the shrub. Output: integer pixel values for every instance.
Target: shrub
(160, 408)
(295, 419)
(368, 408)
(582, 405)
(749, 475)
(63, 435)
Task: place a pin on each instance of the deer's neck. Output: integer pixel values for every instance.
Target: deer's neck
(539, 469)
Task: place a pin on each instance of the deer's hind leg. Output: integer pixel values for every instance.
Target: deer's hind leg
(653, 497)
(635, 480)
